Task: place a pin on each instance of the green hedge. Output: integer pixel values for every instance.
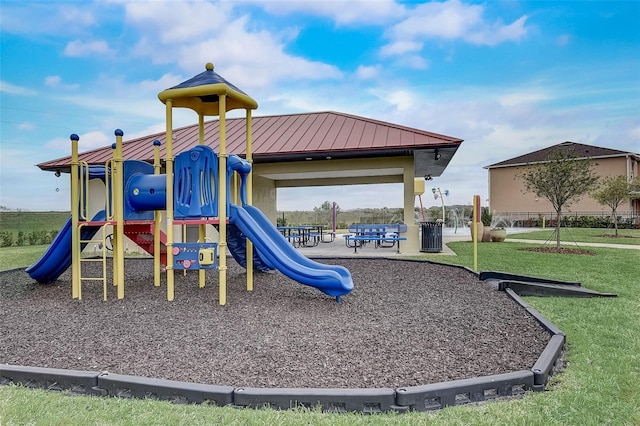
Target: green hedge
(33, 238)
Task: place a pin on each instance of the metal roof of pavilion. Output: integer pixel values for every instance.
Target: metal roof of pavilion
(297, 137)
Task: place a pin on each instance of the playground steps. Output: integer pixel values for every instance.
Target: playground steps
(142, 234)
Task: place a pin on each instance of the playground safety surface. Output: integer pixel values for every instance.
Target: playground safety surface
(405, 324)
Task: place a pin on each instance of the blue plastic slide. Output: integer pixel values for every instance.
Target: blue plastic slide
(237, 245)
(333, 280)
(57, 258)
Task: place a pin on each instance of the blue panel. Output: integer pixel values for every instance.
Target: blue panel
(146, 192)
(195, 183)
(192, 256)
(135, 168)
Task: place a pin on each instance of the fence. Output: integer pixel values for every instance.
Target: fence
(593, 219)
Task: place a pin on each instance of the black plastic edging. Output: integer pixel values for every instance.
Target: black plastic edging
(484, 275)
(544, 366)
(124, 386)
(374, 400)
(458, 392)
(75, 381)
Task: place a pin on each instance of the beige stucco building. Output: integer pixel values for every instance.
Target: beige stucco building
(506, 188)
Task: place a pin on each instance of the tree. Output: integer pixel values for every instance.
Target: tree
(613, 191)
(324, 213)
(562, 180)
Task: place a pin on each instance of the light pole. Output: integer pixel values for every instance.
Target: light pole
(437, 193)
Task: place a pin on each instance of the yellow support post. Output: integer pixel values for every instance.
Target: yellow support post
(75, 232)
(476, 218)
(222, 205)
(169, 207)
(157, 219)
(118, 234)
(202, 230)
(249, 158)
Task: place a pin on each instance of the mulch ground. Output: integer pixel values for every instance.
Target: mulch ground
(559, 250)
(405, 323)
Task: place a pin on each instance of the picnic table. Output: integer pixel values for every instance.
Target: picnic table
(302, 235)
(381, 235)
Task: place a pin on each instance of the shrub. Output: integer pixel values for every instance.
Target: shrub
(33, 238)
(6, 239)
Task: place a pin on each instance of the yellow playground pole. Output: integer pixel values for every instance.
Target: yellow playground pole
(476, 218)
(118, 235)
(222, 203)
(249, 158)
(157, 219)
(75, 232)
(169, 207)
(202, 230)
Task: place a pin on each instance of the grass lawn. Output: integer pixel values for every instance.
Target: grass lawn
(18, 257)
(32, 221)
(601, 384)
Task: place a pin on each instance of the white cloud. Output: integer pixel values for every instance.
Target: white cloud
(52, 80)
(520, 97)
(400, 47)
(12, 89)
(55, 81)
(88, 141)
(254, 56)
(494, 34)
(346, 12)
(178, 21)
(402, 100)
(26, 126)
(364, 72)
(50, 18)
(78, 48)
(453, 20)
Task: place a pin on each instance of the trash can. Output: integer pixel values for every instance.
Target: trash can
(431, 237)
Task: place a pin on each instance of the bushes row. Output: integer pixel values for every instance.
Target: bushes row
(8, 239)
(578, 222)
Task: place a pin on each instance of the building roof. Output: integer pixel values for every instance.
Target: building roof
(296, 137)
(572, 149)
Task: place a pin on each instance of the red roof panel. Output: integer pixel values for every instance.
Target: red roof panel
(278, 135)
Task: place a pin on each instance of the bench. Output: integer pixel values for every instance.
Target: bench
(382, 235)
(328, 236)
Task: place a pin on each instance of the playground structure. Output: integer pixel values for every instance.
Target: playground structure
(197, 189)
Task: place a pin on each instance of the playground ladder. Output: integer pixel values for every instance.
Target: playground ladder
(102, 258)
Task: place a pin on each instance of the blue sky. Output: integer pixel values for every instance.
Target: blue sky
(508, 77)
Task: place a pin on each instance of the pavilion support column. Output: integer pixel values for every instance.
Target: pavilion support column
(412, 245)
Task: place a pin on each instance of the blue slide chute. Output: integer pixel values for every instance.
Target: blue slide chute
(57, 258)
(237, 245)
(333, 280)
